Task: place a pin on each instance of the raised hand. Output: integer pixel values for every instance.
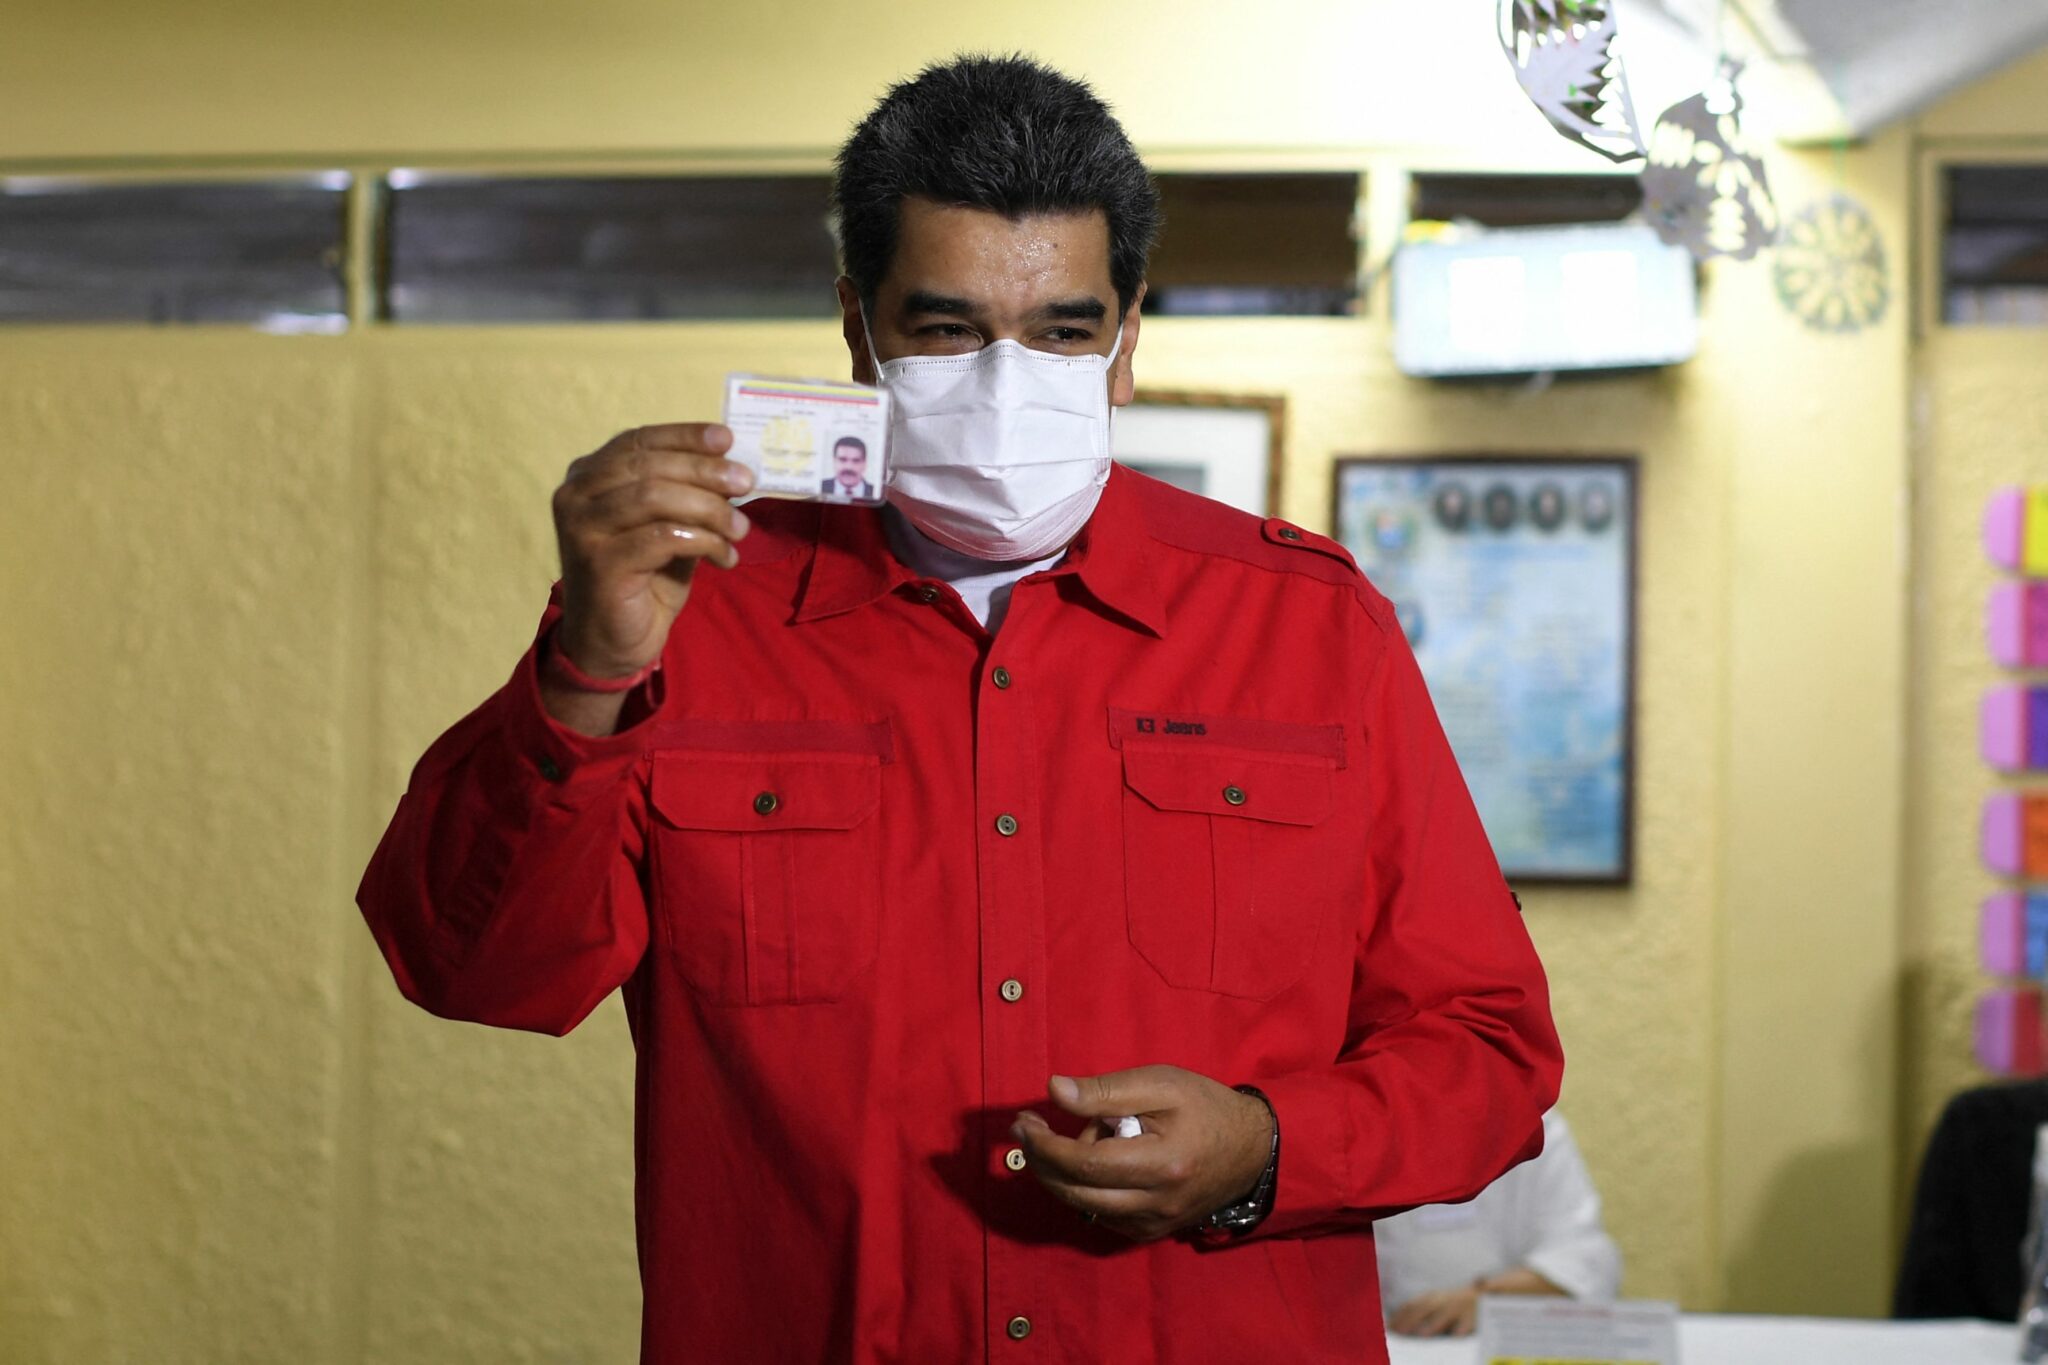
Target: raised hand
(634, 520)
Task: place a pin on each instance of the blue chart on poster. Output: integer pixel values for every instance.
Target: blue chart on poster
(1513, 582)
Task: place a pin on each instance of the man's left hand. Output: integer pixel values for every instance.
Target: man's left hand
(1205, 1145)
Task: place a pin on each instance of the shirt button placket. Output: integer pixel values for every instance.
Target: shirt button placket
(1012, 908)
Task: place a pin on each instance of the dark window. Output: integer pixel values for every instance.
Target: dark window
(268, 253)
(1524, 200)
(1994, 253)
(1255, 244)
(467, 249)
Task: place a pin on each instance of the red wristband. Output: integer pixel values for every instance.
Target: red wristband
(558, 663)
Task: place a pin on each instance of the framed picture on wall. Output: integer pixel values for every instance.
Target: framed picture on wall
(1514, 579)
(1221, 445)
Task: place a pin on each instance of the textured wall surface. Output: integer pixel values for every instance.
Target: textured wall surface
(179, 580)
(1809, 925)
(1981, 415)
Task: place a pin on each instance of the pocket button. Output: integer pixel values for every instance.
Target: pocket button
(767, 803)
(1234, 794)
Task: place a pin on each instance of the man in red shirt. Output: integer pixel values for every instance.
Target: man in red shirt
(1050, 919)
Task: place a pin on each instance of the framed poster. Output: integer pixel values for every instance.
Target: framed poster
(1515, 581)
(1222, 446)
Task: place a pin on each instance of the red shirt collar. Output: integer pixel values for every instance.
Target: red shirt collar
(851, 564)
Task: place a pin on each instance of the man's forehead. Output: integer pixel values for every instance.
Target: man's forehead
(988, 258)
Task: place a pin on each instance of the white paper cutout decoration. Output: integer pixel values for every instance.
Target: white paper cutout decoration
(1564, 56)
(1704, 188)
(1830, 267)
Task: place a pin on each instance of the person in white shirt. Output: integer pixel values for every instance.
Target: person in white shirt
(1536, 1230)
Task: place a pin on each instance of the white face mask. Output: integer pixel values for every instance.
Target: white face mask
(1000, 454)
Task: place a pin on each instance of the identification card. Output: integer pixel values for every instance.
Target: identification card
(810, 438)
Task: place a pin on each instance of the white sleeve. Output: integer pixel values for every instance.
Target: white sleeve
(1566, 1243)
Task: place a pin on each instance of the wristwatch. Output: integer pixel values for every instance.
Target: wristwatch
(1235, 1220)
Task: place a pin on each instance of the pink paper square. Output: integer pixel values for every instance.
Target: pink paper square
(2005, 520)
(2034, 625)
(2009, 1032)
(2001, 833)
(2002, 728)
(2002, 934)
(2005, 625)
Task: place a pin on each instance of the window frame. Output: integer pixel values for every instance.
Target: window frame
(333, 175)
(1934, 157)
(378, 255)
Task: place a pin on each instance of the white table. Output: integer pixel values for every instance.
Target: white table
(1711, 1339)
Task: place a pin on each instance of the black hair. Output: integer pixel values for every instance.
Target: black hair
(1006, 134)
(856, 442)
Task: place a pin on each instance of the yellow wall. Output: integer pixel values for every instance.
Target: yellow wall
(1979, 420)
(249, 578)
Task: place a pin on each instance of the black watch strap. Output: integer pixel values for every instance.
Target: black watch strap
(1237, 1219)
